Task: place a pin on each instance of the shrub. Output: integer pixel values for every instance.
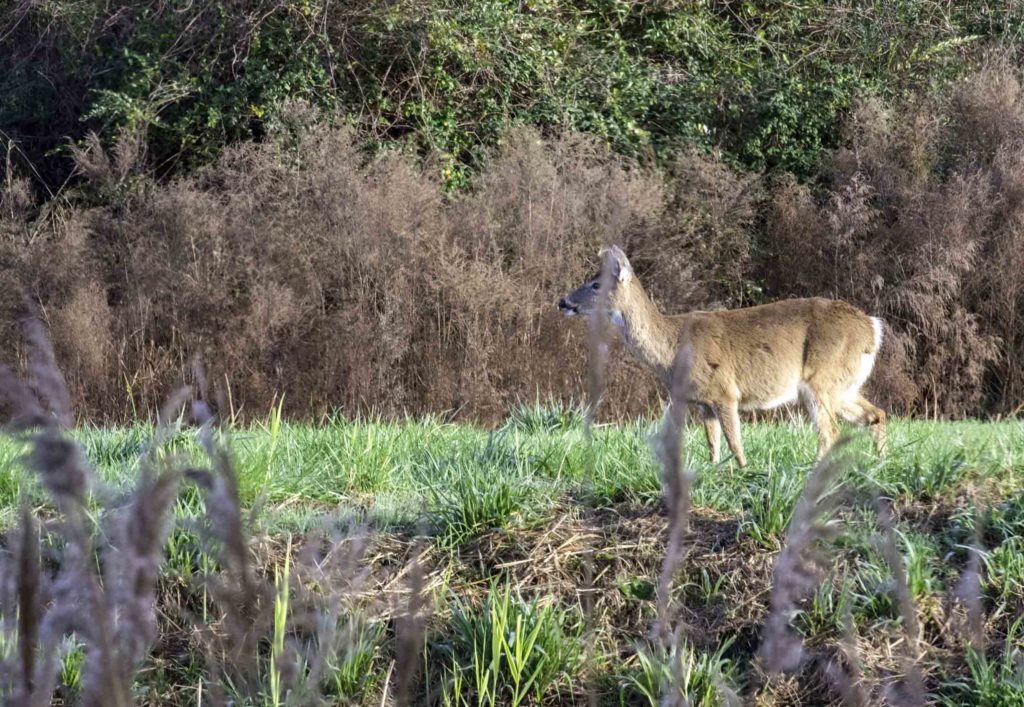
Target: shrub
(767, 82)
(304, 268)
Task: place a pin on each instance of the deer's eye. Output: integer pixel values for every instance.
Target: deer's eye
(596, 285)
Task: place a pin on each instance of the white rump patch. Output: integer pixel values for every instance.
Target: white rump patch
(867, 362)
(877, 324)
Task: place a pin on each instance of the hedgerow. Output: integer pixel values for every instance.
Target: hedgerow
(765, 82)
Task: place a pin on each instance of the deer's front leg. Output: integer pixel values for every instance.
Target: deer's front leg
(713, 430)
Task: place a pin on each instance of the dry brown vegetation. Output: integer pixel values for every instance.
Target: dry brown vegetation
(306, 269)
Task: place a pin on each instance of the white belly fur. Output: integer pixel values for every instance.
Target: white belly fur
(790, 395)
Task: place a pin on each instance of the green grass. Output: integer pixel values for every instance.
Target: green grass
(693, 674)
(505, 513)
(993, 679)
(394, 467)
(510, 649)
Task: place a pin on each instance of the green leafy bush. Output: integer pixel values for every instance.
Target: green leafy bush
(766, 82)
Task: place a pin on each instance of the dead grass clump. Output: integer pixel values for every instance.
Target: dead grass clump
(300, 271)
(987, 112)
(530, 229)
(15, 200)
(50, 268)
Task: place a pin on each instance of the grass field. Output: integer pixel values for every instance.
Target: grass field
(538, 556)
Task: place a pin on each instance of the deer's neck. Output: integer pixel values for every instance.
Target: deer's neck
(650, 335)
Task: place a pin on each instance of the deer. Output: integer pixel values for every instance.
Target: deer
(817, 351)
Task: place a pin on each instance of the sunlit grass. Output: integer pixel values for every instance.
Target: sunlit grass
(396, 467)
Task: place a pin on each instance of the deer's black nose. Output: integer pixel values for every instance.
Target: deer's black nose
(562, 304)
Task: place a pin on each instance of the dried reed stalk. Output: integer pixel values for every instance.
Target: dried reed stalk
(676, 481)
(30, 608)
(911, 690)
(848, 681)
(597, 342)
(968, 590)
(800, 564)
(597, 361)
(410, 628)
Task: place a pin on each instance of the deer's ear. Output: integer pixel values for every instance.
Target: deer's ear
(619, 263)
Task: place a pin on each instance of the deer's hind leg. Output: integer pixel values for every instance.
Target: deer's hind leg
(729, 415)
(821, 409)
(862, 412)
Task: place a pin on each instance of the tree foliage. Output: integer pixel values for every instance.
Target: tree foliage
(766, 82)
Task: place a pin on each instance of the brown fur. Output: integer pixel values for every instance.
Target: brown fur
(755, 358)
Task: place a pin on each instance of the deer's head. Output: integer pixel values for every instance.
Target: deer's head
(609, 287)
